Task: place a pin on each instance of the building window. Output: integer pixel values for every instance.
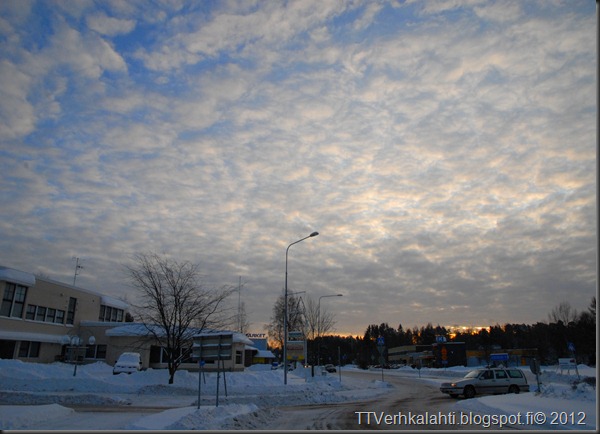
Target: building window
(71, 310)
(13, 300)
(60, 317)
(30, 313)
(50, 315)
(95, 352)
(40, 314)
(29, 349)
(111, 314)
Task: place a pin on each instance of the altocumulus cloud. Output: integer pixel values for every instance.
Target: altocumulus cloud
(444, 150)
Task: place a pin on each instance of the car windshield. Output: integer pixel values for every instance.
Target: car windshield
(473, 374)
(128, 358)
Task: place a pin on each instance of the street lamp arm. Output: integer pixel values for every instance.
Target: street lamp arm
(285, 308)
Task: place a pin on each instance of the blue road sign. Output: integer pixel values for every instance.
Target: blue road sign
(380, 341)
(571, 347)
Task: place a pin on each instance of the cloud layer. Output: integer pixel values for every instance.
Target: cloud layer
(445, 151)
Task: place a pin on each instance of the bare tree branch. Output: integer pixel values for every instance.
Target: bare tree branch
(174, 305)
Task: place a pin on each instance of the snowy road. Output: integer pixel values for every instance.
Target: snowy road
(408, 395)
(37, 396)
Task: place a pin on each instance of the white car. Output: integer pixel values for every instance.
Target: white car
(128, 363)
(488, 381)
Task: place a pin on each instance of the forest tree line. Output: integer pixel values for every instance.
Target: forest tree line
(565, 325)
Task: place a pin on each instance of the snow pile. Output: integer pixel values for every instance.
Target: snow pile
(25, 417)
(34, 396)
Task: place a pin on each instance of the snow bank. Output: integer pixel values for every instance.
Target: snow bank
(253, 396)
(17, 417)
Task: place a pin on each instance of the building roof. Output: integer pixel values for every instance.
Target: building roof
(140, 329)
(16, 276)
(27, 279)
(35, 337)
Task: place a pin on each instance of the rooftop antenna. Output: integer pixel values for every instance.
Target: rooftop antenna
(77, 268)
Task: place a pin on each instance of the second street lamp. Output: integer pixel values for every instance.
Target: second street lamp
(285, 308)
(319, 324)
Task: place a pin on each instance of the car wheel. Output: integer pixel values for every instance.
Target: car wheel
(453, 395)
(469, 392)
(513, 389)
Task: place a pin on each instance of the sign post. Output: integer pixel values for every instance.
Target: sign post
(381, 348)
(534, 365)
(213, 347)
(571, 348)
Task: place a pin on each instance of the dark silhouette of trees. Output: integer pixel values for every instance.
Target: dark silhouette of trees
(551, 339)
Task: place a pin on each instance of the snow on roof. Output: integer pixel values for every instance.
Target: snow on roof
(34, 337)
(140, 329)
(132, 329)
(16, 276)
(113, 302)
(265, 354)
(237, 337)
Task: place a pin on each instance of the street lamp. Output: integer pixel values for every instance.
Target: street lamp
(319, 324)
(76, 344)
(285, 308)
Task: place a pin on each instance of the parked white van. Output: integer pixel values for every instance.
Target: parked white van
(128, 363)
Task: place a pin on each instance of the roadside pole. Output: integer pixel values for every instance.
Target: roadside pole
(340, 364)
(381, 348)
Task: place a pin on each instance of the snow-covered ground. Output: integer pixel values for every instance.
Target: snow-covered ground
(37, 396)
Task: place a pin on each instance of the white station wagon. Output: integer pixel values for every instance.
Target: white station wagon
(488, 381)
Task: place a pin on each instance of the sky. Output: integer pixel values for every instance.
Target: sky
(445, 151)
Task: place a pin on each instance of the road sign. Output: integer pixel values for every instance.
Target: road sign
(380, 341)
(499, 357)
(213, 347)
(295, 335)
(571, 347)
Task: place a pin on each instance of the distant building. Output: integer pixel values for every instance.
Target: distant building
(449, 354)
(260, 353)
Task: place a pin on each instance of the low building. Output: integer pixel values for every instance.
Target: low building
(260, 353)
(516, 356)
(449, 354)
(42, 320)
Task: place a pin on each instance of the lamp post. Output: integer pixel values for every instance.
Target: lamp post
(76, 343)
(285, 308)
(319, 324)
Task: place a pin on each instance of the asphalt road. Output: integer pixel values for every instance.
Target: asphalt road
(406, 407)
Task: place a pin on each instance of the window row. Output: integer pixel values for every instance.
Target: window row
(29, 349)
(111, 314)
(45, 314)
(13, 305)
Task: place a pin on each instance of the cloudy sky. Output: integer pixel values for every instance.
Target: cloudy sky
(444, 150)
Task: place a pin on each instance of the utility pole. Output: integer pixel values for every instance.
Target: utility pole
(240, 305)
(77, 268)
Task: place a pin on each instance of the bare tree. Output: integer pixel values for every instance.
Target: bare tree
(318, 323)
(563, 312)
(174, 304)
(244, 323)
(295, 318)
